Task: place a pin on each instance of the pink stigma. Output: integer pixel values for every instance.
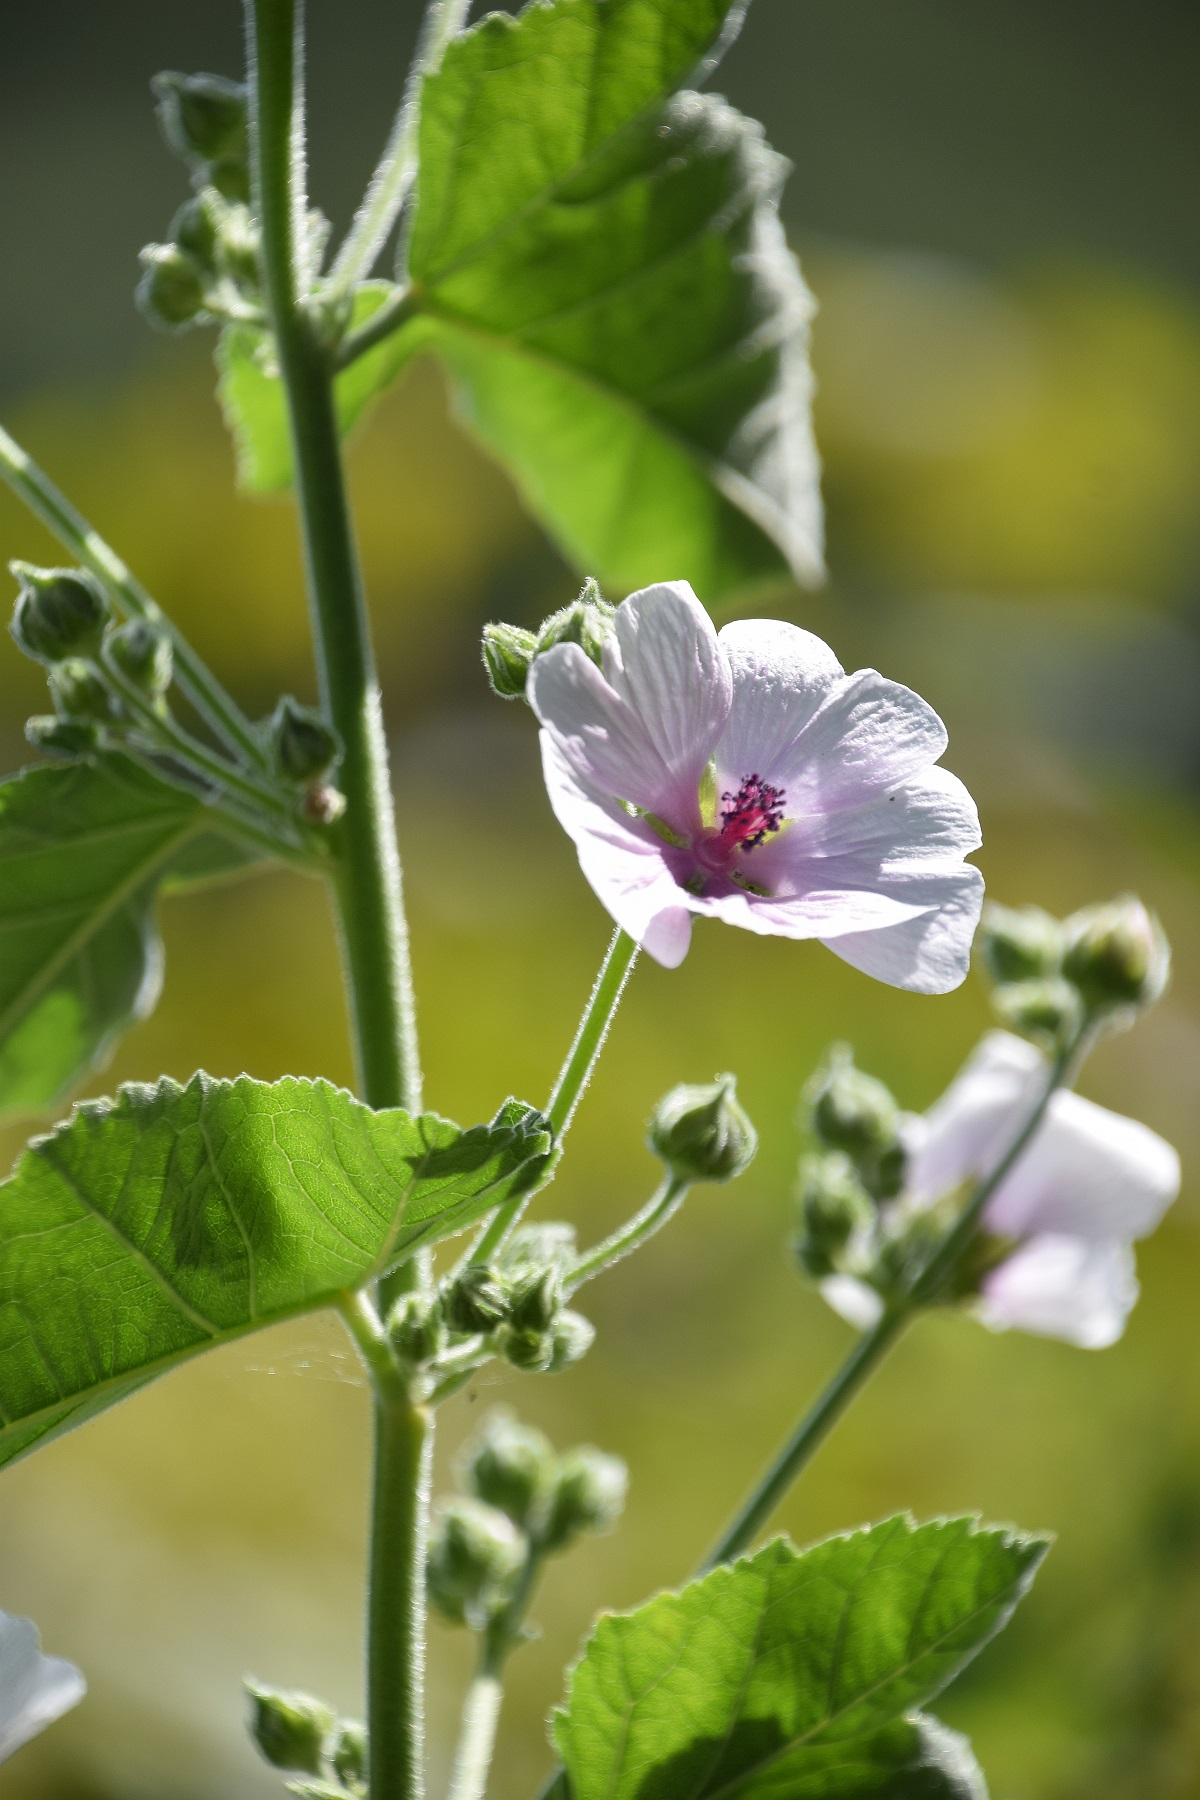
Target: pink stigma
(750, 816)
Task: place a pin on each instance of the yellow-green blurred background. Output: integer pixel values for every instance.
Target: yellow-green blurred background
(993, 202)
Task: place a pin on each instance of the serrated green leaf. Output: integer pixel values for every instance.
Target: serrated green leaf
(795, 1673)
(255, 407)
(603, 264)
(158, 1225)
(81, 849)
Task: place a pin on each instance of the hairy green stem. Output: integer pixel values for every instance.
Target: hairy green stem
(873, 1346)
(85, 544)
(661, 1207)
(366, 859)
(573, 1078)
(481, 1707)
(389, 185)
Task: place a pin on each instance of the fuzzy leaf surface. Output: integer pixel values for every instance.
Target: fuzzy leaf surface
(603, 262)
(172, 1219)
(81, 852)
(796, 1673)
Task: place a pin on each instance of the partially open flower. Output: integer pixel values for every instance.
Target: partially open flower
(34, 1689)
(747, 777)
(1064, 1219)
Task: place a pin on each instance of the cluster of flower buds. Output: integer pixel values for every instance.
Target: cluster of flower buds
(63, 620)
(521, 1502)
(301, 1735)
(856, 1169)
(1053, 977)
(509, 651)
(702, 1133)
(513, 1307)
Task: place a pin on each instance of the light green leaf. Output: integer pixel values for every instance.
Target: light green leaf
(796, 1673)
(170, 1220)
(602, 261)
(81, 849)
(255, 407)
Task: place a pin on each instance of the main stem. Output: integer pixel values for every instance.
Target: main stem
(367, 880)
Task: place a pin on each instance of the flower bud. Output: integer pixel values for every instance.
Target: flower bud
(289, 1728)
(173, 288)
(1117, 955)
(589, 1495)
(571, 1337)
(473, 1301)
(535, 1299)
(202, 117)
(347, 1754)
(475, 1552)
(510, 1466)
(416, 1329)
(196, 228)
(587, 622)
(142, 654)
(302, 744)
(59, 612)
(79, 691)
(530, 1351)
(701, 1132)
(1019, 943)
(834, 1209)
(237, 250)
(543, 1244)
(1048, 1012)
(65, 739)
(508, 653)
(856, 1114)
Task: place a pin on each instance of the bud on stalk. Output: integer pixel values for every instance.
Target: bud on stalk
(1117, 955)
(701, 1132)
(289, 1728)
(58, 613)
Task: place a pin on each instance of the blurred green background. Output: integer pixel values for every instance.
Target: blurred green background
(992, 199)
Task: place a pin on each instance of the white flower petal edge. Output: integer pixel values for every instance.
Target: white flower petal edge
(34, 1689)
(1063, 1287)
(828, 820)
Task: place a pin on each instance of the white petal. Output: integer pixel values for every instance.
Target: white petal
(823, 914)
(853, 1301)
(621, 859)
(781, 675)
(968, 1129)
(34, 1689)
(868, 735)
(665, 663)
(1060, 1287)
(1089, 1173)
(930, 952)
(597, 732)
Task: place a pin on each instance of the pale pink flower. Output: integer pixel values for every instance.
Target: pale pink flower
(1086, 1186)
(34, 1689)
(745, 776)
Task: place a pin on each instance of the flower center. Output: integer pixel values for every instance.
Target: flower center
(752, 815)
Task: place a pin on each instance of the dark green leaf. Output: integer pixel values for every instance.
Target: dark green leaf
(253, 401)
(796, 1673)
(80, 852)
(173, 1219)
(603, 264)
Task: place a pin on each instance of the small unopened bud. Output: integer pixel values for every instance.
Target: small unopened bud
(347, 1753)
(835, 1208)
(1019, 943)
(1117, 955)
(173, 288)
(589, 1495)
(510, 1466)
(508, 653)
(475, 1552)
(855, 1113)
(530, 1351)
(289, 1728)
(203, 117)
(535, 1299)
(587, 622)
(473, 1300)
(322, 804)
(416, 1329)
(545, 1244)
(64, 739)
(1047, 1012)
(571, 1337)
(59, 612)
(237, 249)
(701, 1132)
(302, 744)
(196, 228)
(142, 655)
(80, 692)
